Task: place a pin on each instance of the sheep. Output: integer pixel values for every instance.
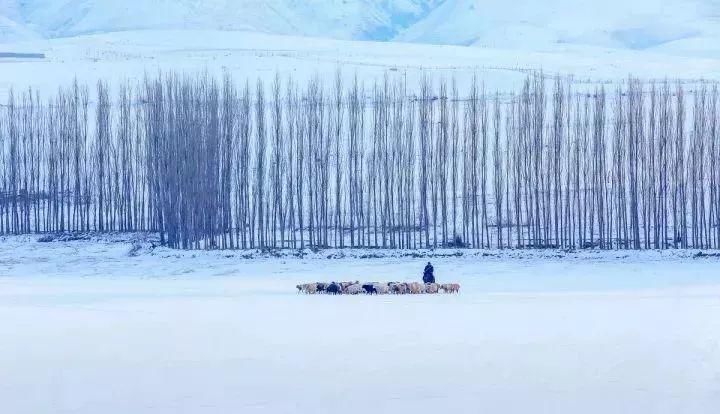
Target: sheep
(416, 288)
(369, 288)
(382, 288)
(375, 288)
(333, 289)
(354, 289)
(344, 285)
(311, 288)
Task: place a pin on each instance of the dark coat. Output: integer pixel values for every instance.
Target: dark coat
(428, 276)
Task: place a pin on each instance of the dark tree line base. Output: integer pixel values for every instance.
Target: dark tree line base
(216, 164)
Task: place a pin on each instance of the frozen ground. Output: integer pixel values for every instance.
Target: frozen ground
(104, 327)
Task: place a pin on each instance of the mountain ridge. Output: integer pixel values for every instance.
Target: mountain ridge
(674, 26)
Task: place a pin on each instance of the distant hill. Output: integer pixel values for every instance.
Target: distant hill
(553, 24)
(341, 19)
(676, 26)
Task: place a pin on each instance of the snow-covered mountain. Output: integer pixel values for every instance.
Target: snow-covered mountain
(342, 19)
(677, 26)
(532, 24)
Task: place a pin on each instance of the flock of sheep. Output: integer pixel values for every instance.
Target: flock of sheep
(357, 288)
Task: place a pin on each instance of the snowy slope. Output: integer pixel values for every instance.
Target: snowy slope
(530, 24)
(12, 27)
(690, 27)
(583, 38)
(344, 19)
(11, 30)
(116, 57)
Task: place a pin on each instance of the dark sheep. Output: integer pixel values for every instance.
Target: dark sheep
(369, 289)
(333, 289)
(321, 287)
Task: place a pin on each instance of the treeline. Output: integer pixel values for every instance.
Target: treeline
(210, 163)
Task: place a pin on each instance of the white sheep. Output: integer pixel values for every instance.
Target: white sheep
(416, 288)
(382, 288)
(354, 289)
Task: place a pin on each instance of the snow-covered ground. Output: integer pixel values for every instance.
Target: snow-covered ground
(94, 326)
(117, 57)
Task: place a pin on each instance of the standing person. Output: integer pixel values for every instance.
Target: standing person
(428, 276)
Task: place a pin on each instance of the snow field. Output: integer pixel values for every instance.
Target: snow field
(118, 57)
(87, 329)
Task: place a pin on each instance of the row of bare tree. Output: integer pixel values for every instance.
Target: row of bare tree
(211, 163)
